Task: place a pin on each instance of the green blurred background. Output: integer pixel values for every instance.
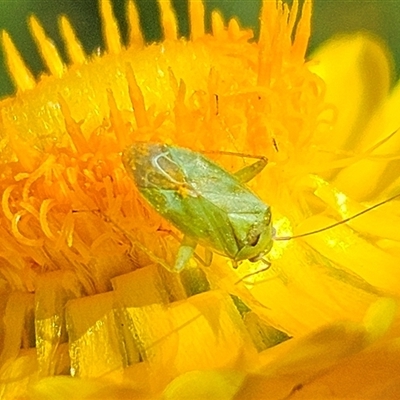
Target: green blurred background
(330, 17)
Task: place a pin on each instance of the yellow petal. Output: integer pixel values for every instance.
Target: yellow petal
(378, 170)
(312, 367)
(356, 71)
(212, 385)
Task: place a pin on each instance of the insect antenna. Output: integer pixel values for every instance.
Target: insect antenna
(234, 153)
(268, 263)
(343, 221)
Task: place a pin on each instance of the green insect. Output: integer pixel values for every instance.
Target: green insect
(208, 204)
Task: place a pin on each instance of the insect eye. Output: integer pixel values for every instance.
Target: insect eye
(253, 239)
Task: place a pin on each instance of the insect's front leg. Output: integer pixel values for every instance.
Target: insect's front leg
(185, 253)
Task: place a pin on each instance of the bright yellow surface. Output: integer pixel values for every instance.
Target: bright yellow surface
(83, 285)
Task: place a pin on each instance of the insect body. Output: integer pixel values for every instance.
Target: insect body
(208, 204)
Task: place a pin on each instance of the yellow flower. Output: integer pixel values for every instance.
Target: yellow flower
(90, 309)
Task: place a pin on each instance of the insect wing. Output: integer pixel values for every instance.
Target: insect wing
(242, 208)
(196, 195)
(167, 184)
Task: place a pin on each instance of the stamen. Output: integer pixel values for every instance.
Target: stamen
(47, 164)
(19, 236)
(135, 31)
(73, 128)
(20, 73)
(168, 20)
(217, 25)
(292, 16)
(112, 38)
(47, 49)
(233, 29)
(196, 16)
(303, 31)
(117, 122)
(137, 99)
(73, 45)
(5, 202)
(45, 207)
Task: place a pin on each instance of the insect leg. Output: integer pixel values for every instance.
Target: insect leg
(185, 253)
(267, 266)
(208, 256)
(249, 172)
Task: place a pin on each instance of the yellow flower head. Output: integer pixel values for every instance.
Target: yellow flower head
(86, 262)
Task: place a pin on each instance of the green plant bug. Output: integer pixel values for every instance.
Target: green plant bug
(208, 204)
